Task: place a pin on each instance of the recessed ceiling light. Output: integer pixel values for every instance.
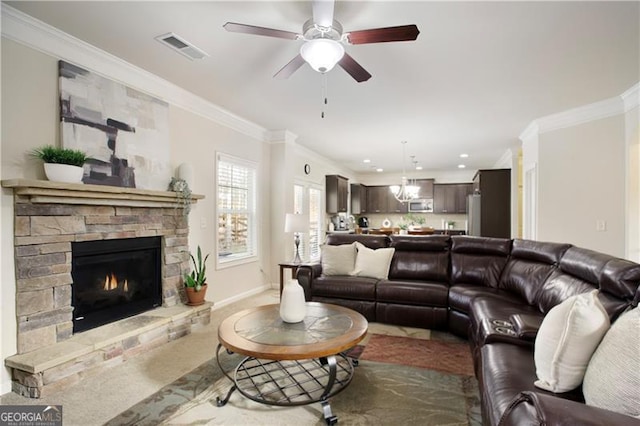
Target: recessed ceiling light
(366, 160)
(461, 166)
(464, 155)
(418, 167)
(379, 170)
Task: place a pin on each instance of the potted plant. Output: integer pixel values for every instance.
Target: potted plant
(62, 164)
(183, 193)
(196, 282)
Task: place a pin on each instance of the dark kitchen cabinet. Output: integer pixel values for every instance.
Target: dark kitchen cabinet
(337, 193)
(393, 205)
(358, 198)
(494, 187)
(377, 199)
(451, 198)
(426, 188)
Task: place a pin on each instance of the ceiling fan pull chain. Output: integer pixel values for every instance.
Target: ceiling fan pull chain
(324, 93)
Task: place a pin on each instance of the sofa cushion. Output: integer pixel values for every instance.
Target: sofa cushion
(338, 260)
(578, 272)
(420, 258)
(371, 241)
(412, 293)
(612, 379)
(345, 287)
(567, 338)
(373, 263)
(559, 287)
(620, 278)
(461, 295)
(530, 264)
(477, 260)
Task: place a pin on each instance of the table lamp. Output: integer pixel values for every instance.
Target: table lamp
(296, 223)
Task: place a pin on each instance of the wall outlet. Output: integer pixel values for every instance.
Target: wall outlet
(601, 225)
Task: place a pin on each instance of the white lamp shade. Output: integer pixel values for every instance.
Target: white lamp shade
(296, 223)
(322, 53)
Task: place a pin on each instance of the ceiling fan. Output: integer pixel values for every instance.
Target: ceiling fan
(324, 41)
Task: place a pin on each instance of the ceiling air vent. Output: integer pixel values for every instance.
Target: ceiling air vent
(181, 46)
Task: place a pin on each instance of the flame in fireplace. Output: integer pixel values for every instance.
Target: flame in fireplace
(111, 283)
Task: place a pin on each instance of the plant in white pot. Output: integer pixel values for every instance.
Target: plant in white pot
(62, 164)
(196, 282)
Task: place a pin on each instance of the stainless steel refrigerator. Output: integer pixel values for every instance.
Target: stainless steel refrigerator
(474, 213)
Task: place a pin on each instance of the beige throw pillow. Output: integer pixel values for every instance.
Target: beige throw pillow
(612, 380)
(567, 338)
(338, 260)
(373, 263)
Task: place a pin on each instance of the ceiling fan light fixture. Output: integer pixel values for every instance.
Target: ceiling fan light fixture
(322, 54)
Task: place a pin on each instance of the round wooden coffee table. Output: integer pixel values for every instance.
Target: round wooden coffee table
(291, 364)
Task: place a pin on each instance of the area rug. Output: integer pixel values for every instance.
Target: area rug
(446, 357)
(398, 380)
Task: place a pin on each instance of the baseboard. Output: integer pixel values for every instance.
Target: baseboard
(237, 297)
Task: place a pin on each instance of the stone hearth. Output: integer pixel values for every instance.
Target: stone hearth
(48, 218)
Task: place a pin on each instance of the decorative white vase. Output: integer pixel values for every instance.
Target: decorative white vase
(185, 172)
(293, 307)
(63, 173)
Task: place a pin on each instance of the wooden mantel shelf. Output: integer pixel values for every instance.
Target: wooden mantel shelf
(43, 191)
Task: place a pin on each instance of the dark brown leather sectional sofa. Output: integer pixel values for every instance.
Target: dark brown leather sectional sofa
(478, 288)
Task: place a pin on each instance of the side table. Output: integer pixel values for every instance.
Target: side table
(294, 271)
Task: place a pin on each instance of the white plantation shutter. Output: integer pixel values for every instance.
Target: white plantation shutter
(316, 215)
(299, 207)
(236, 209)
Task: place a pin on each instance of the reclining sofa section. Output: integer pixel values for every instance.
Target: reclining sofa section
(470, 285)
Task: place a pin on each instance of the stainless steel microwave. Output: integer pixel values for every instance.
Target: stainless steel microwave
(423, 205)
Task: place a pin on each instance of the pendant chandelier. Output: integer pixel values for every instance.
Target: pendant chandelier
(407, 190)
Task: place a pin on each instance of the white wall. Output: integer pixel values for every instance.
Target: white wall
(586, 188)
(581, 179)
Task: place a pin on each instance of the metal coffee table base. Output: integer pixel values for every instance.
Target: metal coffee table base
(289, 383)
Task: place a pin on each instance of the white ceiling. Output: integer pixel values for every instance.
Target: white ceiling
(477, 75)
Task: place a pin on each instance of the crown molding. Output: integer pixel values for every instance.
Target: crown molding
(280, 136)
(631, 98)
(26, 30)
(531, 131)
(598, 110)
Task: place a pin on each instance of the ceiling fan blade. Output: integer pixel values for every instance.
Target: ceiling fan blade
(354, 69)
(262, 31)
(290, 68)
(382, 35)
(323, 12)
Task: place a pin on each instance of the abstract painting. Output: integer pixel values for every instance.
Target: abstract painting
(124, 131)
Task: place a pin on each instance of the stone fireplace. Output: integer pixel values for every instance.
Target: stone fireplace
(52, 223)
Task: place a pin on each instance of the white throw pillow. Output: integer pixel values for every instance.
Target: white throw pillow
(338, 260)
(568, 336)
(612, 380)
(373, 263)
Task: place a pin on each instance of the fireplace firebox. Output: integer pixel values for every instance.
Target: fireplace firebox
(114, 279)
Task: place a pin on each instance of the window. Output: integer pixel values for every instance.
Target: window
(308, 199)
(236, 209)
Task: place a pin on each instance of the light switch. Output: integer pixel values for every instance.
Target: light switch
(601, 225)
(203, 223)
